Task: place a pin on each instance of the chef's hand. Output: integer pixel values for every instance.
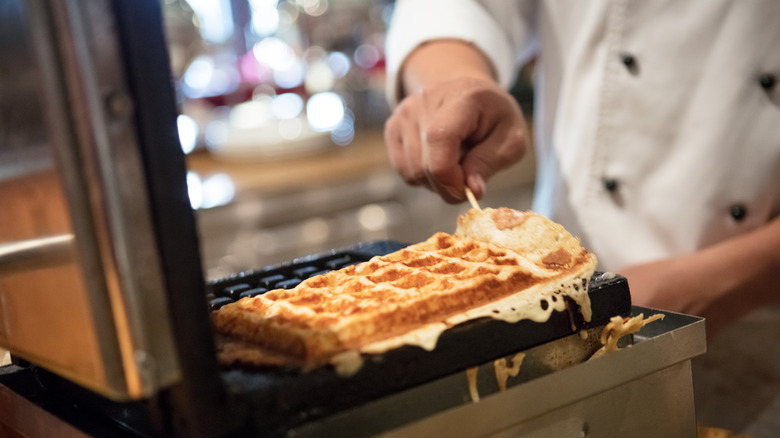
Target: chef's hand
(676, 285)
(662, 284)
(722, 282)
(456, 126)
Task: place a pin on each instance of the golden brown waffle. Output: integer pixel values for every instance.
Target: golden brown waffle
(437, 281)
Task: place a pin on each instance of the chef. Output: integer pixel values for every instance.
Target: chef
(657, 131)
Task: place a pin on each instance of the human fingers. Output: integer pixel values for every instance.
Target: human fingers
(417, 134)
(476, 129)
(429, 129)
(504, 145)
(403, 141)
(440, 153)
(443, 138)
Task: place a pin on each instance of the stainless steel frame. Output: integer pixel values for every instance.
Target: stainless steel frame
(645, 390)
(81, 287)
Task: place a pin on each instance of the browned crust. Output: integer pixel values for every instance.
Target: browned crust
(506, 218)
(312, 338)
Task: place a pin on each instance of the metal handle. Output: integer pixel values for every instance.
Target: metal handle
(35, 253)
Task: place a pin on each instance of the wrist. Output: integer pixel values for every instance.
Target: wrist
(442, 60)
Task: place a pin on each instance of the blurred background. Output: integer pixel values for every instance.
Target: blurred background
(282, 108)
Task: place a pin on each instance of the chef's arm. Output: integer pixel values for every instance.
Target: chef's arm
(441, 61)
(455, 125)
(722, 282)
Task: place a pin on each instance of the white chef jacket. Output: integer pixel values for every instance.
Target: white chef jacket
(657, 123)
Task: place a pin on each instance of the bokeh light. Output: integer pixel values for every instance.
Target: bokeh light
(291, 77)
(339, 64)
(214, 191)
(315, 230)
(188, 132)
(372, 217)
(265, 17)
(325, 111)
(275, 53)
(287, 106)
(251, 114)
(215, 19)
(319, 78)
(344, 133)
(366, 55)
(315, 8)
(205, 77)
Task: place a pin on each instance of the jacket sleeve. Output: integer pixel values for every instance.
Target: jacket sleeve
(505, 31)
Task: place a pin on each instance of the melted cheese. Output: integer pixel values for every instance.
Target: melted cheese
(523, 305)
(471, 375)
(504, 371)
(619, 327)
(347, 363)
(424, 337)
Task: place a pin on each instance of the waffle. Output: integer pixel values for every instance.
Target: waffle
(410, 296)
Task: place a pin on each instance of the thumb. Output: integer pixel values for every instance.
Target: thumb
(476, 183)
(501, 149)
(477, 169)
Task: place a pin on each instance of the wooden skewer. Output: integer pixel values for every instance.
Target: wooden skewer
(472, 199)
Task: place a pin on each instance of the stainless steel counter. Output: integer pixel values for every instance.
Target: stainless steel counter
(644, 390)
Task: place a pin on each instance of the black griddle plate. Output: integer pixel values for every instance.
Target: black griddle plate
(283, 398)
